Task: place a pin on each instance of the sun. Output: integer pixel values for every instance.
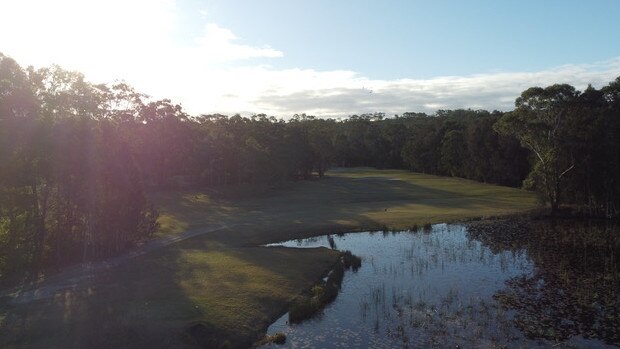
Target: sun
(103, 39)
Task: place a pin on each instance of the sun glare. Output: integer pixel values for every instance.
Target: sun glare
(103, 39)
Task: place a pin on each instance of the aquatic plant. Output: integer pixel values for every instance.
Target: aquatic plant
(278, 338)
(350, 260)
(321, 294)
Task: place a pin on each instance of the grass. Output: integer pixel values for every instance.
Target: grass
(348, 199)
(223, 283)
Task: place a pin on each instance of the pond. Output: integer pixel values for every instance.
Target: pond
(486, 285)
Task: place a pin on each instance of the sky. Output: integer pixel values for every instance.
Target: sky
(322, 57)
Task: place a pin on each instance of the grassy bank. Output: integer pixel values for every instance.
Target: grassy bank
(222, 285)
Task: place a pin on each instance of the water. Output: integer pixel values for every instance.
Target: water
(437, 287)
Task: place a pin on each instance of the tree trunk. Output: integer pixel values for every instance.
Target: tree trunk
(39, 207)
(555, 198)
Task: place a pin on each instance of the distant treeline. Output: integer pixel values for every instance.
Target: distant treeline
(76, 158)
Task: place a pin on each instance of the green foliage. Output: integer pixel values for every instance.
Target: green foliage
(573, 138)
(70, 188)
(462, 143)
(453, 152)
(303, 308)
(306, 306)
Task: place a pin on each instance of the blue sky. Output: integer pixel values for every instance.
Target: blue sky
(322, 57)
(423, 39)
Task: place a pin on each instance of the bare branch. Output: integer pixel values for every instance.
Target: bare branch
(567, 170)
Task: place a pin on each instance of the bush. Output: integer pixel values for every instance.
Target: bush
(304, 307)
(278, 338)
(350, 260)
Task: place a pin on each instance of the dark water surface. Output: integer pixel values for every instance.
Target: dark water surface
(443, 287)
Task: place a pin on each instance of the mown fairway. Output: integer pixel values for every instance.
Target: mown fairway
(223, 279)
(348, 199)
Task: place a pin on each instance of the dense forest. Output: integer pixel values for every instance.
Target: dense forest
(76, 158)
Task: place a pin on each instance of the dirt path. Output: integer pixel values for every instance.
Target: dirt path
(71, 277)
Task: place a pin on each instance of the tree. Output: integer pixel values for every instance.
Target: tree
(541, 122)
(69, 187)
(18, 168)
(453, 152)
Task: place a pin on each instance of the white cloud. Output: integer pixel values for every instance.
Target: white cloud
(218, 44)
(356, 94)
(216, 72)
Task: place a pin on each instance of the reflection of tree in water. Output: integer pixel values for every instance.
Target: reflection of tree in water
(575, 287)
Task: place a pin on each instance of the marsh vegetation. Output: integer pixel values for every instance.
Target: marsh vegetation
(498, 283)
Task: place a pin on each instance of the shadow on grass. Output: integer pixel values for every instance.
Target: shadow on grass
(132, 306)
(336, 204)
(197, 293)
(340, 204)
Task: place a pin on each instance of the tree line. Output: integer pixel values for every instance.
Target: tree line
(76, 158)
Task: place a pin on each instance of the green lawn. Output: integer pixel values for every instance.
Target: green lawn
(347, 199)
(224, 280)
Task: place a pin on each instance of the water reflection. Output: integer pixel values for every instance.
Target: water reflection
(447, 286)
(574, 289)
